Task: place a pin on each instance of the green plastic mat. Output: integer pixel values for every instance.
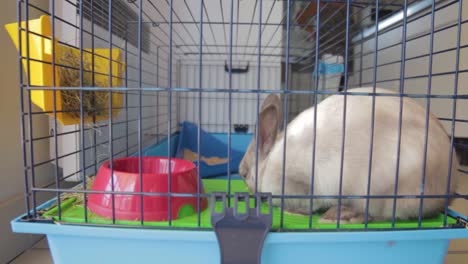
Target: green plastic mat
(74, 213)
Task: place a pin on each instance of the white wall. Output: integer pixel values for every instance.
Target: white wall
(215, 105)
(442, 62)
(303, 81)
(215, 110)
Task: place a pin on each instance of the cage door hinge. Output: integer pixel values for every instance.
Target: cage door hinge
(241, 234)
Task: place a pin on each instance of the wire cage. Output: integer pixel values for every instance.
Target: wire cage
(140, 121)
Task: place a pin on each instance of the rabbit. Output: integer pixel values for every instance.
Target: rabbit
(299, 147)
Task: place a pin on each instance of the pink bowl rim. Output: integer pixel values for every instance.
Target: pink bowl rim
(190, 166)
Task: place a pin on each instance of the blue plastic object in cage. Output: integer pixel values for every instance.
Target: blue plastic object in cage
(325, 68)
(213, 151)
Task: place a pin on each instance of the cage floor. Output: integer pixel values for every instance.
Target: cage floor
(74, 213)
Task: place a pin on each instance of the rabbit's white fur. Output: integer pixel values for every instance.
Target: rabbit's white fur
(299, 146)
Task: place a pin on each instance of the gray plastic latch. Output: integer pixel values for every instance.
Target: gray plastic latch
(241, 234)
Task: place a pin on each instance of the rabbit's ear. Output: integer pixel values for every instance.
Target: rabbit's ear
(269, 124)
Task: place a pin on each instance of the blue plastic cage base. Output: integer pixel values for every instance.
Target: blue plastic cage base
(123, 245)
(119, 245)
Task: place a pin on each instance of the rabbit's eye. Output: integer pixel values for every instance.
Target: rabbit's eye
(242, 172)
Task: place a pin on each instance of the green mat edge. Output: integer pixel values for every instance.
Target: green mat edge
(69, 212)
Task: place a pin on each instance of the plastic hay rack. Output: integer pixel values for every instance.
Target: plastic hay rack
(67, 73)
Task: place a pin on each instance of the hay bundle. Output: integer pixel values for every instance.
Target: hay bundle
(79, 197)
(94, 103)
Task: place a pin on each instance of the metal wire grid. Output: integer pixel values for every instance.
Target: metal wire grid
(177, 40)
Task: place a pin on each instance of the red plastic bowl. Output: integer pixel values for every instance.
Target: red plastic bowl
(155, 179)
